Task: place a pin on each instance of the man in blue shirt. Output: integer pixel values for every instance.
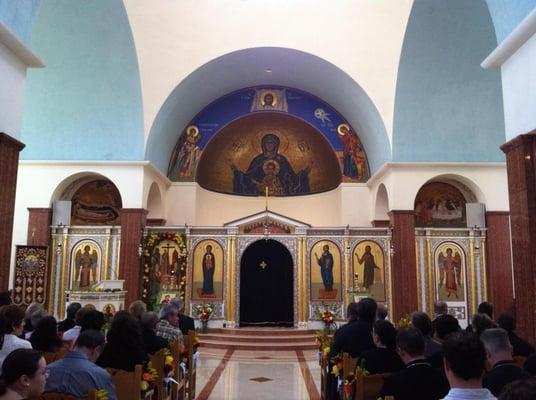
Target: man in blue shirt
(76, 374)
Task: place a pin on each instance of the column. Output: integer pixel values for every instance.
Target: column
(9, 164)
(499, 262)
(404, 263)
(132, 225)
(520, 153)
(39, 220)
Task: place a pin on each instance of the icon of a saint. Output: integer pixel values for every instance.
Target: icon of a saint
(209, 265)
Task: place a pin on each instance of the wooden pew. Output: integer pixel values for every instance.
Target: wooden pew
(178, 391)
(520, 361)
(189, 344)
(92, 395)
(348, 367)
(368, 387)
(158, 361)
(127, 384)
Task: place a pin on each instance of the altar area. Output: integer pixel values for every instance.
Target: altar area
(269, 270)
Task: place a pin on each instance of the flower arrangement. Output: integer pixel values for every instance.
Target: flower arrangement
(327, 316)
(169, 363)
(404, 322)
(204, 312)
(148, 377)
(101, 394)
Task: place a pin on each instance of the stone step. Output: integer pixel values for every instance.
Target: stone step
(262, 331)
(255, 339)
(257, 346)
(253, 357)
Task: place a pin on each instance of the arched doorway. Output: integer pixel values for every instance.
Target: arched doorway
(266, 285)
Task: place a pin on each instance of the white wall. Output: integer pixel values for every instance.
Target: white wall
(519, 90)
(487, 181)
(362, 37)
(188, 203)
(12, 78)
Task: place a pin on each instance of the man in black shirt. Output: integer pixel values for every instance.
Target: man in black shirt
(520, 347)
(69, 322)
(419, 380)
(499, 354)
(186, 323)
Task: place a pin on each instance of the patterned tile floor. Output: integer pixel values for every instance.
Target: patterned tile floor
(246, 375)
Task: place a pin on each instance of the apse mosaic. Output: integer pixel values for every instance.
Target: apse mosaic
(287, 156)
(440, 205)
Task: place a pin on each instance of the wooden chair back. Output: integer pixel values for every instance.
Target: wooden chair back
(368, 387)
(127, 384)
(323, 376)
(92, 395)
(189, 344)
(178, 390)
(348, 367)
(520, 361)
(158, 361)
(50, 357)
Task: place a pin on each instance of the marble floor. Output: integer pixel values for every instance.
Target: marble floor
(246, 375)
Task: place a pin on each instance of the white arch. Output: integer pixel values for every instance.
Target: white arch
(381, 206)
(154, 202)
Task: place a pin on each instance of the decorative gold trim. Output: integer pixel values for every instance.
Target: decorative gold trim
(232, 280)
(390, 281)
(187, 263)
(52, 276)
(61, 304)
(118, 252)
(484, 270)
(346, 284)
(419, 280)
(106, 257)
(430, 270)
(473, 276)
(301, 288)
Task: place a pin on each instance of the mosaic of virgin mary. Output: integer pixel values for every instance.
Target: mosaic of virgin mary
(270, 170)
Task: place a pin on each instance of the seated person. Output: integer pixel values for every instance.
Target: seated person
(422, 322)
(45, 336)
(24, 375)
(356, 336)
(481, 322)
(520, 347)
(12, 326)
(124, 346)
(168, 327)
(464, 362)
(382, 359)
(499, 354)
(524, 389)
(69, 322)
(186, 323)
(445, 325)
(76, 374)
(151, 341)
(419, 380)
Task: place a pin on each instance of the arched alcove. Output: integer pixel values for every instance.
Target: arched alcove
(381, 207)
(154, 202)
(95, 199)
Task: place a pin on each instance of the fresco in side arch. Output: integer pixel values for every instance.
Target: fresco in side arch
(440, 205)
(294, 177)
(96, 203)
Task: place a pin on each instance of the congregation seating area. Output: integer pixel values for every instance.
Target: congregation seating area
(134, 355)
(436, 358)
